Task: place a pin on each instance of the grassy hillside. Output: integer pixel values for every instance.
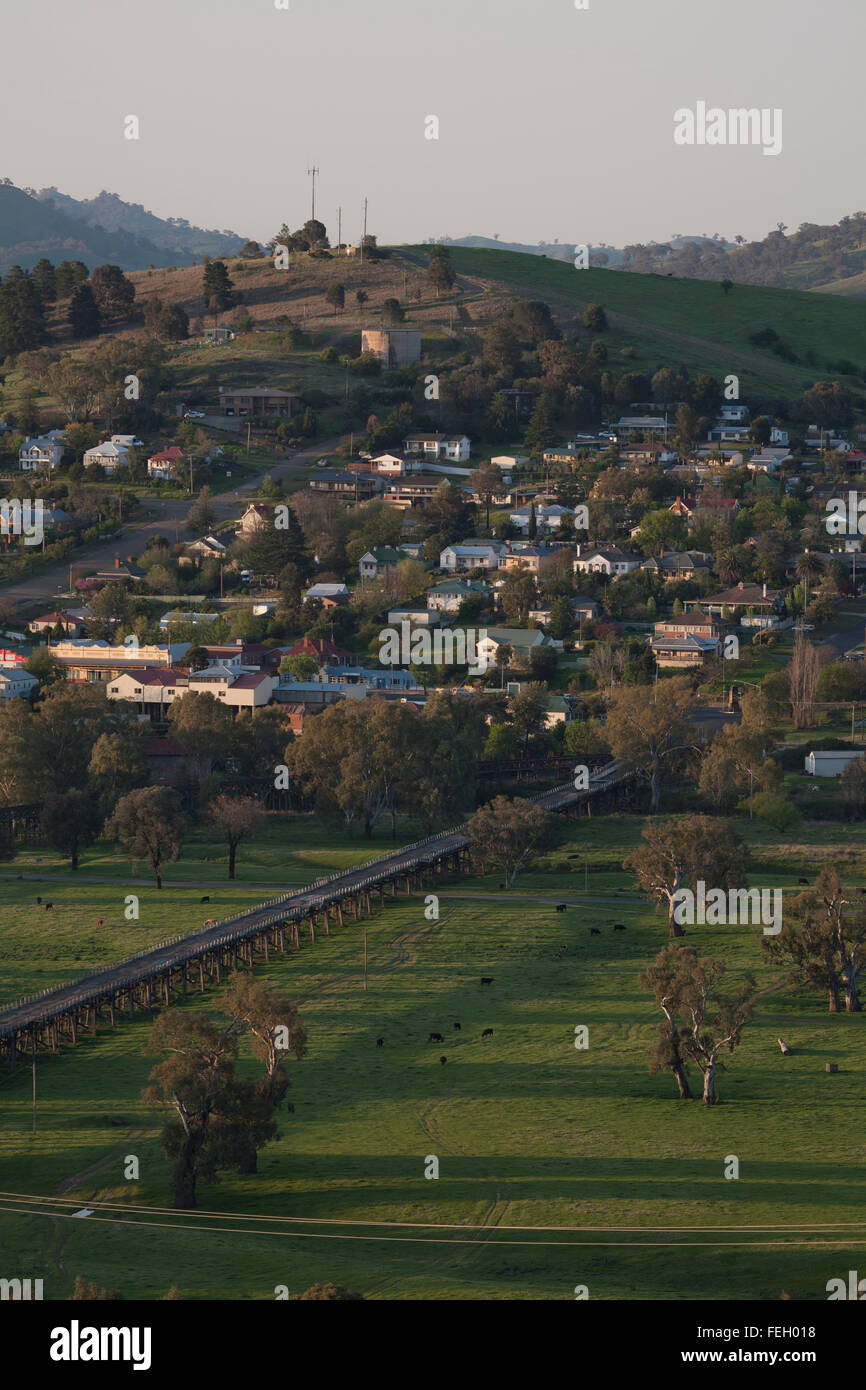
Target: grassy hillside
(529, 1131)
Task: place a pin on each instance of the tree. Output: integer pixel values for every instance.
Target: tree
(113, 292)
(727, 286)
(440, 272)
(236, 818)
(528, 711)
(203, 727)
(735, 761)
(218, 287)
(361, 298)
(70, 820)
(330, 1293)
(201, 515)
(148, 824)
(822, 938)
(84, 317)
(44, 278)
(315, 233)
(302, 665)
(392, 312)
(595, 319)
(508, 834)
(802, 675)
(335, 295)
(486, 480)
(22, 320)
(647, 727)
(539, 431)
(117, 766)
(684, 851)
(701, 1023)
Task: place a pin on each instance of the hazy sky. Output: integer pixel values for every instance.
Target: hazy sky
(554, 122)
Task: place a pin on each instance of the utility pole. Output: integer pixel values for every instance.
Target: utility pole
(313, 172)
(33, 1040)
(365, 963)
(339, 228)
(249, 428)
(364, 237)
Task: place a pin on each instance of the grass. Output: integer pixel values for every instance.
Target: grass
(528, 1130)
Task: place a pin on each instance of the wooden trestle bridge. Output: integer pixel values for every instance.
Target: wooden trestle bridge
(167, 972)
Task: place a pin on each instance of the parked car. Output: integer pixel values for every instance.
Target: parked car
(193, 415)
(322, 463)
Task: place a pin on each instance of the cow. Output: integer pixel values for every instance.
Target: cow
(803, 880)
(488, 1033)
(39, 900)
(443, 1060)
(560, 907)
(594, 931)
(487, 979)
(456, 1025)
(205, 899)
(619, 927)
(99, 921)
(380, 1042)
(435, 1037)
(48, 907)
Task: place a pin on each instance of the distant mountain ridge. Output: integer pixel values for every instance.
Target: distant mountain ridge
(174, 234)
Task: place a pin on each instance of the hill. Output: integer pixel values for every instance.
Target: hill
(172, 234)
(31, 229)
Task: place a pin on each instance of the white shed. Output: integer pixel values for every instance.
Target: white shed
(831, 763)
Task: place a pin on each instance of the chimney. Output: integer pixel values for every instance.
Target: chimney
(117, 562)
(765, 591)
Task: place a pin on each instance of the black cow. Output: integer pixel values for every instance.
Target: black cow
(443, 1060)
(619, 928)
(594, 931)
(48, 907)
(435, 1037)
(205, 899)
(39, 900)
(487, 979)
(803, 880)
(560, 907)
(488, 1033)
(456, 1025)
(380, 1042)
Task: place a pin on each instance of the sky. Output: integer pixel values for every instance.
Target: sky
(553, 122)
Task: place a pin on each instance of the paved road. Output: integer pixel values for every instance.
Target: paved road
(164, 517)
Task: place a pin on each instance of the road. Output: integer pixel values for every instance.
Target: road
(164, 517)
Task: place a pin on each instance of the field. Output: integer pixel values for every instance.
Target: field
(528, 1130)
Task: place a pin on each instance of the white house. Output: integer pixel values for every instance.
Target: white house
(42, 453)
(522, 641)
(447, 597)
(509, 463)
(609, 560)
(330, 593)
(469, 555)
(548, 519)
(16, 683)
(456, 448)
(108, 456)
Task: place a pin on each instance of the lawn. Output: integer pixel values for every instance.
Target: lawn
(528, 1130)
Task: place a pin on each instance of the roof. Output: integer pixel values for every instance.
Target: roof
(257, 391)
(745, 594)
(316, 646)
(250, 680)
(385, 555)
(688, 642)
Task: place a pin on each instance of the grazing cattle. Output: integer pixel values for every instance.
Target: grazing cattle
(784, 1048)
(443, 1060)
(803, 880)
(563, 948)
(594, 931)
(488, 1033)
(99, 921)
(560, 907)
(456, 1025)
(39, 900)
(435, 1037)
(205, 899)
(380, 1042)
(48, 907)
(619, 928)
(487, 979)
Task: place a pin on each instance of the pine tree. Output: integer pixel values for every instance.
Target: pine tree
(84, 318)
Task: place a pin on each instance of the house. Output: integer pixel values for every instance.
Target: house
(153, 690)
(585, 609)
(469, 555)
(415, 617)
(413, 491)
(394, 347)
(455, 448)
(123, 569)
(161, 465)
(631, 425)
(674, 565)
(509, 463)
(219, 333)
(769, 460)
(329, 595)
(72, 623)
(694, 624)
(382, 557)
(609, 560)
(44, 453)
(390, 464)
(169, 763)
(257, 515)
(258, 402)
(448, 597)
(97, 663)
(522, 642)
(547, 519)
(534, 559)
(181, 615)
(16, 683)
(684, 649)
(356, 487)
(207, 548)
(561, 453)
(326, 653)
(830, 763)
(107, 456)
(764, 607)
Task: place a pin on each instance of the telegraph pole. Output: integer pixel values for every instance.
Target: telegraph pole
(364, 237)
(339, 229)
(313, 172)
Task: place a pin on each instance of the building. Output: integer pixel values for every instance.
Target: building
(630, 425)
(830, 763)
(329, 595)
(394, 347)
(547, 519)
(522, 642)
(412, 491)
(123, 569)
(72, 623)
(695, 624)
(674, 565)
(42, 454)
(769, 459)
(355, 487)
(453, 448)
(509, 463)
(448, 597)
(258, 402)
(685, 649)
(220, 333)
(154, 690)
(470, 555)
(414, 616)
(161, 465)
(16, 683)
(382, 557)
(763, 607)
(534, 559)
(608, 559)
(206, 548)
(97, 663)
(107, 456)
(257, 515)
